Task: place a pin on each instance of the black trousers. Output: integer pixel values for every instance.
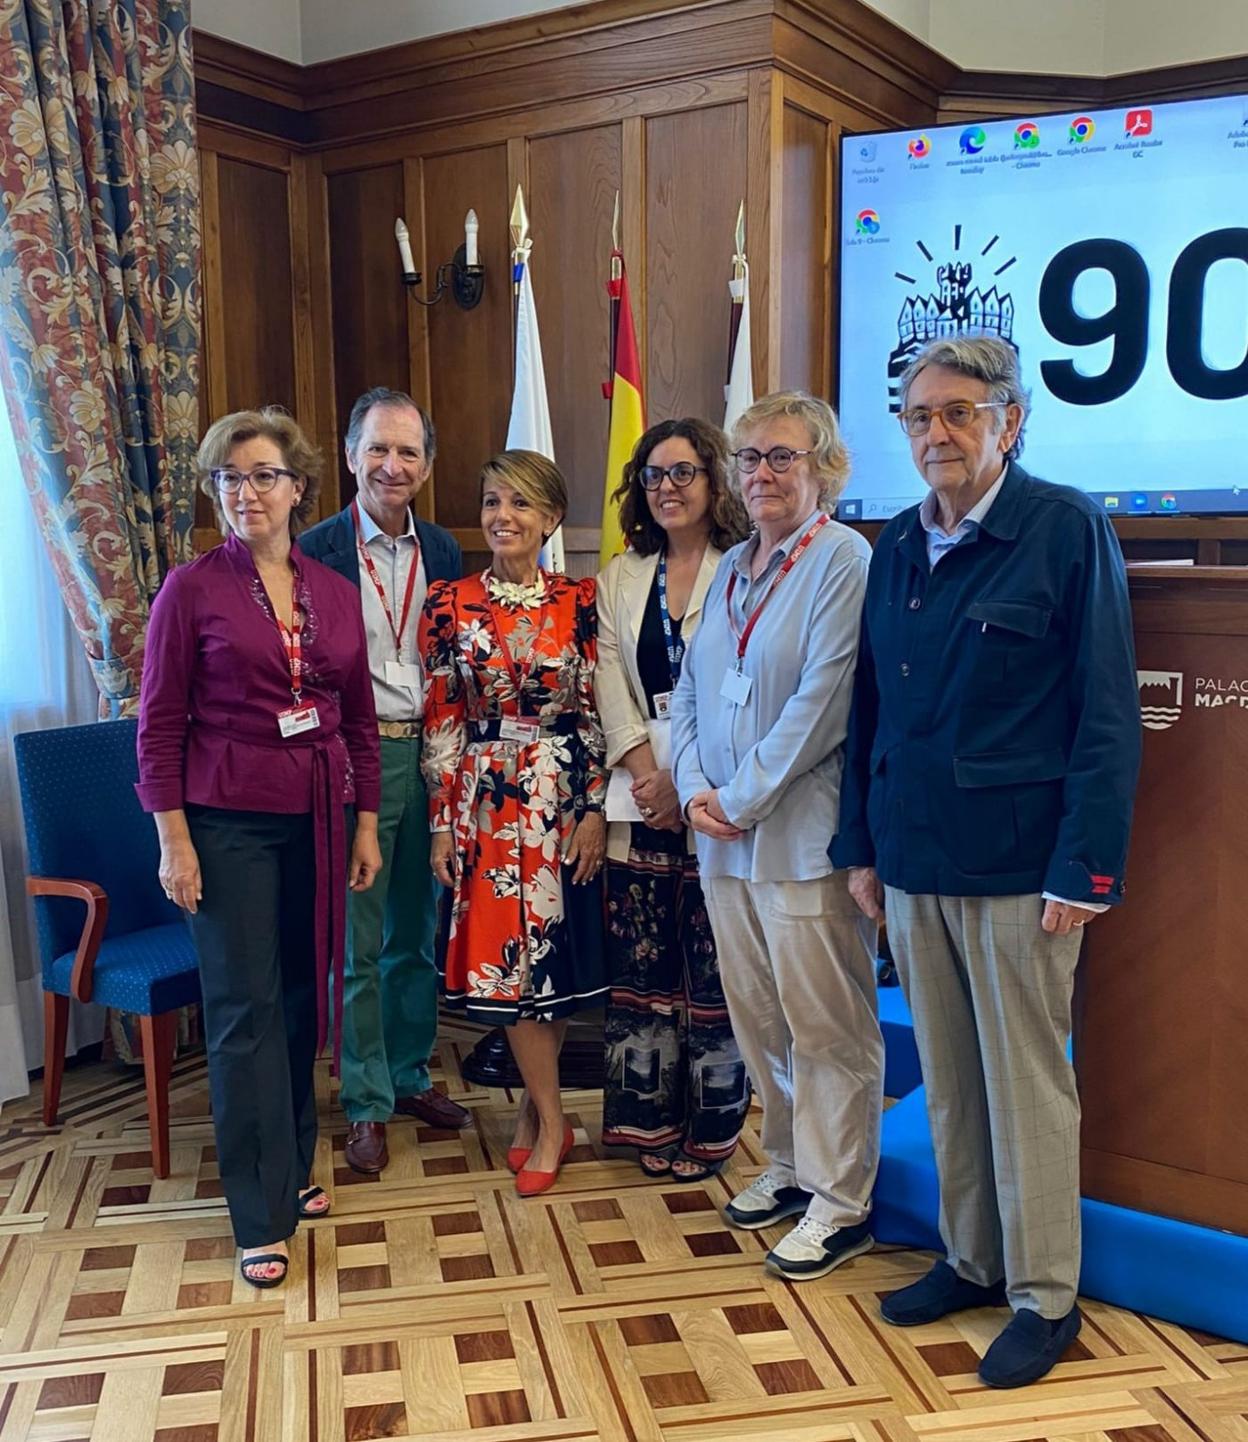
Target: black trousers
(256, 941)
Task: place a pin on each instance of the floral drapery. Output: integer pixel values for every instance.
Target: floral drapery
(99, 302)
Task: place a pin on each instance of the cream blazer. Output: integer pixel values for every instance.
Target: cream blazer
(623, 590)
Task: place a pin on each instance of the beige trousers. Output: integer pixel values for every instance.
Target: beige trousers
(797, 960)
(990, 994)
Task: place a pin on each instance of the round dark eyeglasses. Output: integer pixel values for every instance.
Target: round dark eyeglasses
(955, 416)
(262, 478)
(778, 459)
(682, 474)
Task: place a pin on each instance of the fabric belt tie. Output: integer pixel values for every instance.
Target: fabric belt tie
(564, 724)
(329, 835)
(399, 730)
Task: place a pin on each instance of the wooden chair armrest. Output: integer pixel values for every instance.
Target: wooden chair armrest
(95, 898)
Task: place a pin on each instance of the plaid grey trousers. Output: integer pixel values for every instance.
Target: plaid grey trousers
(990, 994)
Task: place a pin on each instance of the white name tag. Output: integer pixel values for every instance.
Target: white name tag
(403, 673)
(663, 705)
(297, 719)
(512, 728)
(735, 686)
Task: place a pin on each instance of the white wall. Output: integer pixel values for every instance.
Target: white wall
(1066, 37)
(272, 26)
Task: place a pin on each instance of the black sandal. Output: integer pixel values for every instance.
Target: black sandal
(264, 1259)
(311, 1195)
(708, 1169)
(651, 1171)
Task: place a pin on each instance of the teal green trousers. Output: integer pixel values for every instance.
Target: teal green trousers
(390, 1006)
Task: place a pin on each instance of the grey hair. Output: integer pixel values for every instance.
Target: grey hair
(384, 396)
(983, 358)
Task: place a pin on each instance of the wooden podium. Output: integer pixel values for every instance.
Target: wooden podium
(1161, 1013)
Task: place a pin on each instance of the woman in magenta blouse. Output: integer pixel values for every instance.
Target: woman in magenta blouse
(257, 736)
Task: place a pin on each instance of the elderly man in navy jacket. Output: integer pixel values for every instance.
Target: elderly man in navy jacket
(390, 1013)
(991, 764)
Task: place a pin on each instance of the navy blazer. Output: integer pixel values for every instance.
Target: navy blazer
(332, 542)
(994, 740)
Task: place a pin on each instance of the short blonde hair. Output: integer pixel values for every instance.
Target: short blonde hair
(270, 423)
(532, 476)
(829, 457)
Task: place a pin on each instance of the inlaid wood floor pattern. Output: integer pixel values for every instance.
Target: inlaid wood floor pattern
(436, 1304)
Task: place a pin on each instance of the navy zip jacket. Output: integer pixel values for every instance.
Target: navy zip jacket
(994, 739)
(332, 542)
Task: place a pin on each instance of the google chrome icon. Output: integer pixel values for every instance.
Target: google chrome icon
(1082, 130)
(1027, 136)
(920, 147)
(867, 223)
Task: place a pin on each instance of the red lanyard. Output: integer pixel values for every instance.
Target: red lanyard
(395, 631)
(517, 680)
(292, 640)
(794, 556)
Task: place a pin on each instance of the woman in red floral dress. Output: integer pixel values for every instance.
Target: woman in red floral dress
(515, 762)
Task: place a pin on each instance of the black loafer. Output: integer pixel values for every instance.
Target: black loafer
(1028, 1348)
(942, 1291)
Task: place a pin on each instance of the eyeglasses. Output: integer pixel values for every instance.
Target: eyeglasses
(955, 416)
(778, 459)
(262, 478)
(682, 474)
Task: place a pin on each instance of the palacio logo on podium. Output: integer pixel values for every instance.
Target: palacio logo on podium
(1161, 698)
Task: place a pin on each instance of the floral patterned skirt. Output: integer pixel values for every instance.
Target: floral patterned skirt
(518, 940)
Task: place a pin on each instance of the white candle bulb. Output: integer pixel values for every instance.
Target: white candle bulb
(471, 227)
(405, 248)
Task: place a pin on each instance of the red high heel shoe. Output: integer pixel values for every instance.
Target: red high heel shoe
(516, 1157)
(530, 1183)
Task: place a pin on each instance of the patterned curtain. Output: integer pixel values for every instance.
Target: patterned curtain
(99, 303)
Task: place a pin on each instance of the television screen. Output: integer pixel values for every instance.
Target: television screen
(1109, 247)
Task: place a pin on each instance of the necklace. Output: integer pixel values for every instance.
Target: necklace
(516, 594)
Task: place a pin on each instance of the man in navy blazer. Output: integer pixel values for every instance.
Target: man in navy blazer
(390, 1011)
(991, 764)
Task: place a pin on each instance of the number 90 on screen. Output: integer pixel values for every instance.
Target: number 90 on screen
(1126, 321)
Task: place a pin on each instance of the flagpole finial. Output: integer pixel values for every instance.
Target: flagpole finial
(519, 224)
(738, 259)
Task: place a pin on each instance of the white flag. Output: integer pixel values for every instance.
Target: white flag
(529, 428)
(739, 392)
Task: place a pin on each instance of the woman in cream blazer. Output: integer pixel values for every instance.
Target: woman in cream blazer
(676, 1087)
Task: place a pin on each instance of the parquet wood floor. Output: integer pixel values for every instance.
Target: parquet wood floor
(436, 1304)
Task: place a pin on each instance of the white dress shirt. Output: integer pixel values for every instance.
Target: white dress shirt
(393, 560)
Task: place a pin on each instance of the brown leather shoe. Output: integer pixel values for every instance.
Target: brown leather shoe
(366, 1148)
(435, 1110)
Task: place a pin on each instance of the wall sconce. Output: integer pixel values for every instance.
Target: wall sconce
(463, 272)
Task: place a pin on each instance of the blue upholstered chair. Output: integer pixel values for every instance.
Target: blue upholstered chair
(91, 844)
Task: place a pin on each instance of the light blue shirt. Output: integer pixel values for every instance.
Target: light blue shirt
(775, 760)
(939, 542)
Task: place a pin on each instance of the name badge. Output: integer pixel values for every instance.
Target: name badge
(663, 705)
(297, 719)
(512, 728)
(735, 686)
(403, 673)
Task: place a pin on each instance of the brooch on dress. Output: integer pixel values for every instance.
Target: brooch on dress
(516, 593)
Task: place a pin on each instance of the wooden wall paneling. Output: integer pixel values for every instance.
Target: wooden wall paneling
(313, 334)
(370, 305)
(764, 244)
(256, 338)
(695, 178)
(805, 235)
(573, 180)
(470, 352)
(418, 318)
(633, 232)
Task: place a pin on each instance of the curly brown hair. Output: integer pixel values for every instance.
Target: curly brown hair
(730, 521)
(270, 423)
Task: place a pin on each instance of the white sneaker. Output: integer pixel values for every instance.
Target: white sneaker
(813, 1248)
(766, 1200)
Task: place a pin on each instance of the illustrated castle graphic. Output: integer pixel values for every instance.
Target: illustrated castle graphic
(953, 308)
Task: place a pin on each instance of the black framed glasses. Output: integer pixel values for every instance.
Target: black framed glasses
(778, 459)
(682, 474)
(262, 478)
(955, 416)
